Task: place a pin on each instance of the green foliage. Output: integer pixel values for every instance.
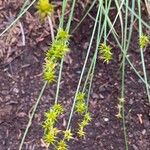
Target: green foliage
(105, 52)
(58, 108)
(59, 47)
(87, 118)
(45, 8)
(143, 41)
(81, 108)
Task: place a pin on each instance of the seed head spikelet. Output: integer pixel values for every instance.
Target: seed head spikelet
(143, 41)
(45, 8)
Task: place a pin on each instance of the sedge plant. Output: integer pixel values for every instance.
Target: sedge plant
(58, 49)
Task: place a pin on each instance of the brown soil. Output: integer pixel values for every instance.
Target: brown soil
(21, 82)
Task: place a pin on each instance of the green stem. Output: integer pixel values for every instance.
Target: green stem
(62, 60)
(83, 69)
(59, 80)
(19, 16)
(141, 52)
(32, 115)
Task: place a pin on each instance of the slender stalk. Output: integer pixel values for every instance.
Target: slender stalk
(59, 80)
(40, 95)
(141, 52)
(126, 43)
(61, 22)
(83, 69)
(24, 5)
(137, 16)
(127, 57)
(62, 60)
(87, 12)
(51, 28)
(71, 16)
(123, 76)
(32, 115)
(19, 16)
(101, 30)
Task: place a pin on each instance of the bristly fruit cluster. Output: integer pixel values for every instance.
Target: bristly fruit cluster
(81, 108)
(45, 8)
(58, 49)
(105, 52)
(50, 131)
(143, 41)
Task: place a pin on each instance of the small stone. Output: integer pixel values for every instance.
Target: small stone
(16, 90)
(106, 119)
(143, 132)
(86, 44)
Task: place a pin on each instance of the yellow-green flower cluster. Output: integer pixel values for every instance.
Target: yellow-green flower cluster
(50, 137)
(119, 107)
(81, 108)
(45, 8)
(62, 145)
(50, 131)
(86, 120)
(143, 41)
(68, 135)
(59, 47)
(49, 70)
(57, 51)
(105, 52)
